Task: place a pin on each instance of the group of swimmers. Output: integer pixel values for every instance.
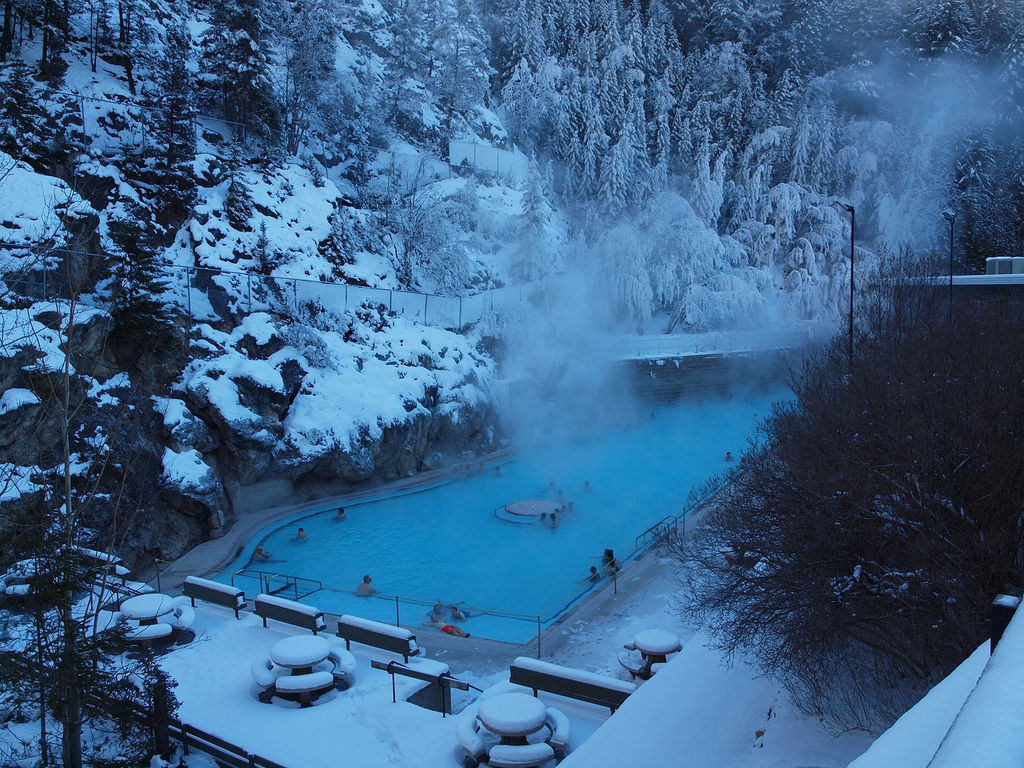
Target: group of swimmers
(469, 469)
(609, 566)
(436, 619)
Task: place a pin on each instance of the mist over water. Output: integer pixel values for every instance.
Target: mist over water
(447, 543)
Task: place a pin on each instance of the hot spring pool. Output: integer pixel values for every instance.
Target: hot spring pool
(452, 542)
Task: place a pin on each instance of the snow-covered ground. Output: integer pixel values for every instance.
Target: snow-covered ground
(697, 710)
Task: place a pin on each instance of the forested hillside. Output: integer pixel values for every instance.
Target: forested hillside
(691, 165)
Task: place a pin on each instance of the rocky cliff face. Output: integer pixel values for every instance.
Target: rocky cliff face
(170, 441)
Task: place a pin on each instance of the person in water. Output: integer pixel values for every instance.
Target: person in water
(340, 515)
(301, 535)
(611, 563)
(595, 575)
(260, 554)
(553, 520)
(365, 589)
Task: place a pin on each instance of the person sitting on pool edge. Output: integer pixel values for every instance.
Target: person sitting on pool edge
(364, 589)
(451, 629)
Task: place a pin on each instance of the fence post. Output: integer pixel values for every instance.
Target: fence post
(425, 297)
(391, 300)
(460, 312)
(295, 296)
(398, 619)
(538, 637)
(188, 284)
(248, 284)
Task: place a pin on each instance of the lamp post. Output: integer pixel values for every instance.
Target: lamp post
(853, 227)
(950, 216)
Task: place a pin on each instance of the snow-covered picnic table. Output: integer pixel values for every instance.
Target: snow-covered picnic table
(300, 652)
(148, 608)
(649, 652)
(656, 642)
(512, 716)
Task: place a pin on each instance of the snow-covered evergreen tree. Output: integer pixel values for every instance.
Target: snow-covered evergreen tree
(236, 63)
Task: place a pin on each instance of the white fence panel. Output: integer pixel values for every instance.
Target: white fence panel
(412, 305)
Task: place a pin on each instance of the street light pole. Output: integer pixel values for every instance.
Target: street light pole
(853, 228)
(950, 216)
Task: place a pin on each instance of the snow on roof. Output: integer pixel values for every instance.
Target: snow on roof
(987, 731)
(712, 713)
(912, 740)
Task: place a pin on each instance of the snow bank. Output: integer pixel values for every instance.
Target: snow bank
(913, 739)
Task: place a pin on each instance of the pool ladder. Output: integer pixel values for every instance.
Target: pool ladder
(276, 583)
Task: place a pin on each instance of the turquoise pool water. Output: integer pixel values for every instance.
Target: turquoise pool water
(452, 542)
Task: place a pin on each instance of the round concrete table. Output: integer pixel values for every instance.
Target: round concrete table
(512, 716)
(148, 608)
(300, 653)
(533, 507)
(656, 644)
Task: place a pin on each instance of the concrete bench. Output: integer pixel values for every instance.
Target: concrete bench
(304, 688)
(519, 755)
(353, 629)
(290, 612)
(196, 588)
(572, 683)
(467, 731)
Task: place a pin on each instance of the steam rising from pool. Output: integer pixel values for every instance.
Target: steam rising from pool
(448, 544)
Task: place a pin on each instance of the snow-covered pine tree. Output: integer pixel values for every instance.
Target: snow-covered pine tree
(236, 64)
(534, 257)
(172, 125)
(137, 279)
(309, 33)
(459, 58)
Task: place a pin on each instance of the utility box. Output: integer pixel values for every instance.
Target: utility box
(1002, 610)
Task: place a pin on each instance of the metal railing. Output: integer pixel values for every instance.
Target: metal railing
(207, 293)
(732, 342)
(276, 583)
